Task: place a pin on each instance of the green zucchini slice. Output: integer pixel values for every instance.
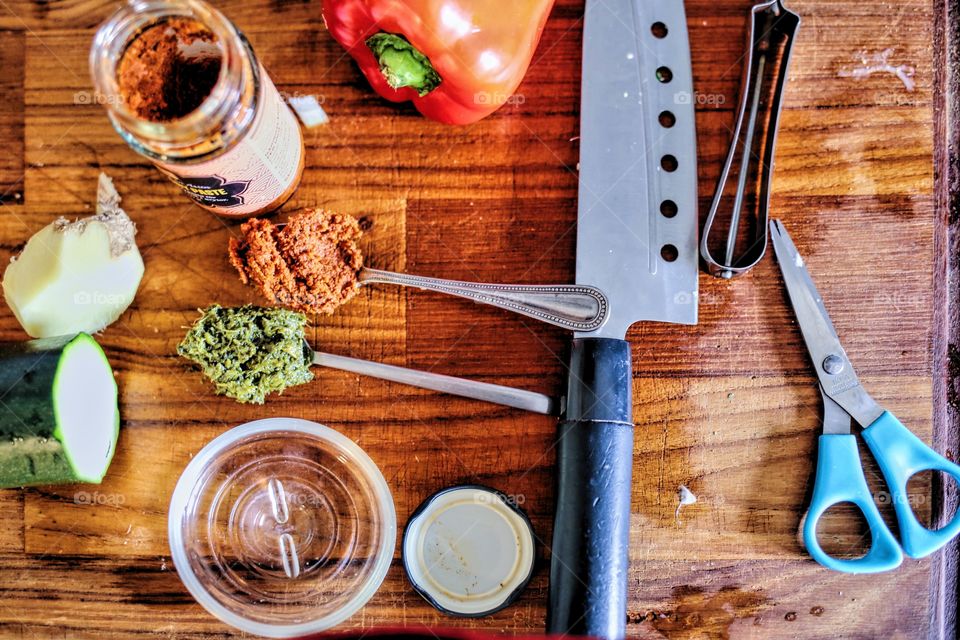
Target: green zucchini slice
(59, 418)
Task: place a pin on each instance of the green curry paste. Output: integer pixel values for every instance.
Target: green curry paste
(248, 352)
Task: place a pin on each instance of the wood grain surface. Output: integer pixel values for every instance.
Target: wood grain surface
(727, 408)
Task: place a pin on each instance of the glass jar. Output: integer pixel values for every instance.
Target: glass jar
(282, 527)
(239, 150)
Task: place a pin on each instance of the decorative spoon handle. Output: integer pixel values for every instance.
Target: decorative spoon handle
(571, 306)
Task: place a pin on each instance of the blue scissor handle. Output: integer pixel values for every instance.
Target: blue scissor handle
(840, 479)
(901, 454)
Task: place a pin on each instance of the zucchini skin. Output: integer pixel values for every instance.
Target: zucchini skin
(30, 454)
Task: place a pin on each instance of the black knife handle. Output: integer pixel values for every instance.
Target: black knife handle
(591, 528)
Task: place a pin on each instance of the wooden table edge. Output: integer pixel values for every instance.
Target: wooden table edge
(946, 409)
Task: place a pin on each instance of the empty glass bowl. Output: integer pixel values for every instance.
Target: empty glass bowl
(282, 527)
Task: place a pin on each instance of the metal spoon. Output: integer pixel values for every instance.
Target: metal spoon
(571, 306)
(495, 393)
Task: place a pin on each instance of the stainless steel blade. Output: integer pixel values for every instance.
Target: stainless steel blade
(637, 216)
(815, 324)
(836, 421)
(636, 242)
(838, 379)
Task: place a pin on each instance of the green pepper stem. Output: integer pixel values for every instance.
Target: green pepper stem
(401, 64)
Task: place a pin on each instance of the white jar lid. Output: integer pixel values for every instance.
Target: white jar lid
(468, 550)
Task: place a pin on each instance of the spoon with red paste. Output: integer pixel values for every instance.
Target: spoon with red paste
(313, 264)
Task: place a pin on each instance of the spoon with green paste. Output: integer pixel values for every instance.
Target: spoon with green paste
(249, 352)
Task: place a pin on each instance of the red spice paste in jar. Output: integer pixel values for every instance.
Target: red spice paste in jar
(169, 70)
(185, 89)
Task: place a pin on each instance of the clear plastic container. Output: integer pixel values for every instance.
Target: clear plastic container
(282, 527)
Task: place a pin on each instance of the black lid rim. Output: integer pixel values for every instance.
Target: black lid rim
(422, 507)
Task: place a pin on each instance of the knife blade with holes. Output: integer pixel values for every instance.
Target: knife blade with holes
(636, 242)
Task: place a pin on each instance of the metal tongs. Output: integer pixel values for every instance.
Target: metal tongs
(772, 29)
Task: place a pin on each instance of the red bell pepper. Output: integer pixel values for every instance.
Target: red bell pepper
(457, 60)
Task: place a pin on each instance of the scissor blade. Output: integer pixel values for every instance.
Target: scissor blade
(836, 421)
(818, 332)
(837, 378)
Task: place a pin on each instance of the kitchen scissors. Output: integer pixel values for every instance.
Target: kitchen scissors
(899, 453)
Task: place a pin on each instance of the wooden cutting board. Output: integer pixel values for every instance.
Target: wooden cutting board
(727, 408)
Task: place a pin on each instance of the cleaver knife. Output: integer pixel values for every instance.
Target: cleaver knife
(637, 242)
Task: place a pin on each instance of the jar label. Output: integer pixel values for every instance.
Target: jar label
(257, 173)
